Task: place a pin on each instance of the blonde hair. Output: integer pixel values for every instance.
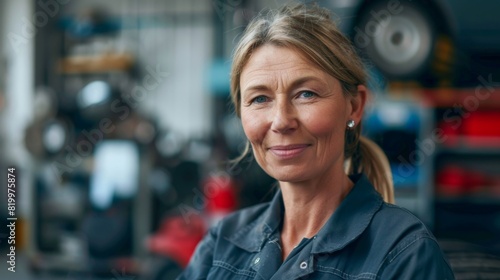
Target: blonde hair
(310, 30)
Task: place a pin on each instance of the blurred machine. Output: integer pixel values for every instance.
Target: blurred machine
(433, 42)
(403, 130)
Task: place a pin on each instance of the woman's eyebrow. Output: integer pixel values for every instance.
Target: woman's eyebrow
(305, 79)
(257, 87)
(294, 84)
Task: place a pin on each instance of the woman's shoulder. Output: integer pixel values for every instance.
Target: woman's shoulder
(400, 227)
(406, 239)
(396, 217)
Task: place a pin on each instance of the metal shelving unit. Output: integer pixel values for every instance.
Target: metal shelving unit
(467, 181)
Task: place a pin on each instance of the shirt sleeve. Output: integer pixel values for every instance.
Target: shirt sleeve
(420, 258)
(201, 261)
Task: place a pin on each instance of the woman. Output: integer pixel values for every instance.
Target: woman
(299, 89)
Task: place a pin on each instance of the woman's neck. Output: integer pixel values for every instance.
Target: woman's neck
(308, 206)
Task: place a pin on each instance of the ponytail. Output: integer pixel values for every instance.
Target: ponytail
(369, 159)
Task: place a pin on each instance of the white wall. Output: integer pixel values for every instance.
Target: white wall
(19, 88)
(19, 76)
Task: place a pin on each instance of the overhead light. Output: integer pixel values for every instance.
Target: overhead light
(95, 93)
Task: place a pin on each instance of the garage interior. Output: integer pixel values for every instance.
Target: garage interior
(116, 118)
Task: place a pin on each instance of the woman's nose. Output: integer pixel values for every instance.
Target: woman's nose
(284, 118)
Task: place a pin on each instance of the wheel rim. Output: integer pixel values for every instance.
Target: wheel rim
(402, 43)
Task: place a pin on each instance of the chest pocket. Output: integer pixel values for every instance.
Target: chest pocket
(326, 272)
(346, 268)
(221, 270)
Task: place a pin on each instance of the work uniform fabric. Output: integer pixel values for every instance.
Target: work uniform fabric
(365, 238)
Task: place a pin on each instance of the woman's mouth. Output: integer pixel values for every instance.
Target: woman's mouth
(288, 151)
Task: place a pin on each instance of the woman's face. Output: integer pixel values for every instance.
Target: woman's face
(294, 114)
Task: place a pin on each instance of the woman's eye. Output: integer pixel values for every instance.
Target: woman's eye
(259, 99)
(307, 94)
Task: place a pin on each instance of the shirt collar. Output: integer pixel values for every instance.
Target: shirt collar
(350, 219)
(253, 236)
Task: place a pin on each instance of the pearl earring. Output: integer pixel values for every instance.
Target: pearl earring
(350, 124)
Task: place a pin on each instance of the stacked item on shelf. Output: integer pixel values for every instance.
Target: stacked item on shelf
(456, 181)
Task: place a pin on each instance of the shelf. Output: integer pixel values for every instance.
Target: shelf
(95, 64)
(467, 145)
(469, 199)
(451, 97)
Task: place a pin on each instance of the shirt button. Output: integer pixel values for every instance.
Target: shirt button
(303, 265)
(256, 261)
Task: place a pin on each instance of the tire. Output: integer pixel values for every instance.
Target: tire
(399, 41)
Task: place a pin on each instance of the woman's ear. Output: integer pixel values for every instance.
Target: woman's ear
(358, 103)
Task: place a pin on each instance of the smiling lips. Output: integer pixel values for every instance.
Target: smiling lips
(288, 151)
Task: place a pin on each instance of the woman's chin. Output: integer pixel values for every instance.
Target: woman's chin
(289, 175)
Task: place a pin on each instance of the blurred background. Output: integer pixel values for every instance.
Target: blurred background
(116, 118)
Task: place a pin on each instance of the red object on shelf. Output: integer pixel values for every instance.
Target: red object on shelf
(478, 129)
(475, 181)
(451, 180)
(177, 237)
(220, 192)
(482, 124)
(486, 98)
(450, 133)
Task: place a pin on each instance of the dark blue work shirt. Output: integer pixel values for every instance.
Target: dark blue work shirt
(365, 238)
